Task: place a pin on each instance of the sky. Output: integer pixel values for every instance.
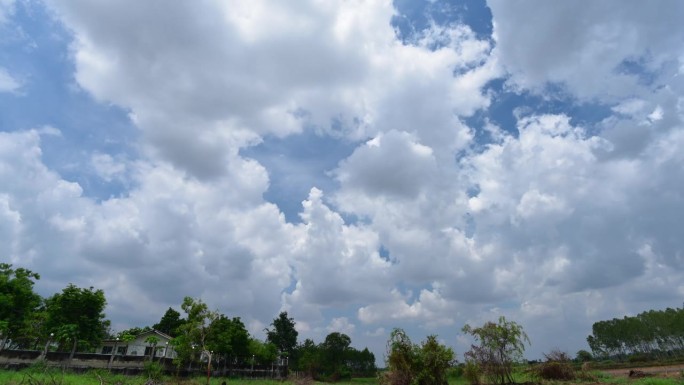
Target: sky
(360, 164)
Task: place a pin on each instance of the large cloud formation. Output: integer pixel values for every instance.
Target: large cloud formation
(556, 224)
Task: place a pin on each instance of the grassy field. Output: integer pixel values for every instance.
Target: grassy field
(54, 377)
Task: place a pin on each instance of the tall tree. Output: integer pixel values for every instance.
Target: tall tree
(18, 302)
(500, 345)
(434, 359)
(334, 349)
(169, 323)
(77, 316)
(228, 338)
(283, 334)
(192, 335)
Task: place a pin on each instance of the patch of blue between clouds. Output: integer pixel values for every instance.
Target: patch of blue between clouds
(296, 164)
(415, 16)
(507, 104)
(35, 48)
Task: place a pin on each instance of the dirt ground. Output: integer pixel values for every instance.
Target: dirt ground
(658, 371)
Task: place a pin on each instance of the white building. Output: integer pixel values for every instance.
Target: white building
(141, 346)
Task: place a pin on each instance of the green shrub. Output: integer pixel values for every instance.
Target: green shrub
(557, 366)
(153, 371)
(472, 372)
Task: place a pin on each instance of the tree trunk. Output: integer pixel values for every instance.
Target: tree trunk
(73, 349)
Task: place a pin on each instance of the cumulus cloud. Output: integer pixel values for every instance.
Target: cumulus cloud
(557, 224)
(602, 50)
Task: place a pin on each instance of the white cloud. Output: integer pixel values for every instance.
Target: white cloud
(585, 47)
(7, 82)
(556, 225)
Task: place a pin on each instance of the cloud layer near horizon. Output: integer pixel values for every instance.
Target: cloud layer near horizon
(435, 220)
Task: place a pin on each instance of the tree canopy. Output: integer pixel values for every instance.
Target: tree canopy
(500, 345)
(169, 323)
(18, 303)
(76, 315)
(283, 333)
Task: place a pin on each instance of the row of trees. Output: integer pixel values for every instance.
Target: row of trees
(333, 359)
(75, 317)
(75, 320)
(497, 347)
(655, 333)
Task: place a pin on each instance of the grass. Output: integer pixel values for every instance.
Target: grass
(43, 376)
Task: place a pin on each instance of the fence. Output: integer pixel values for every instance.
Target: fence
(133, 365)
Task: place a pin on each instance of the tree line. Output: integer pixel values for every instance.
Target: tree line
(74, 320)
(653, 333)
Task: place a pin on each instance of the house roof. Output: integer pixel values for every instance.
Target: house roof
(153, 331)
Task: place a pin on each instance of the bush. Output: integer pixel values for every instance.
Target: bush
(153, 371)
(557, 366)
(472, 372)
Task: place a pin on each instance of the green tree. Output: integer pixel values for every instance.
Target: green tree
(400, 359)
(500, 345)
(152, 341)
(228, 338)
(283, 334)
(308, 358)
(169, 323)
(18, 304)
(77, 316)
(192, 335)
(263, 352)
(583, 356)
(334, 350)
(433, 361)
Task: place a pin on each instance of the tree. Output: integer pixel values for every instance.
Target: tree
(77, 316)
(308, 358)
(262, 352)
(583, 356)
(433, 361)
(334, 350)
(169, 323)
(407, 363)
(400, 359)
(228, 338)
(18, 303)
(500, 345)
(283, 334)
(152, 341)
(192, 335)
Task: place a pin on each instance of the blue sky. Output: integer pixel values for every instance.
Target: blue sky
(362, 165)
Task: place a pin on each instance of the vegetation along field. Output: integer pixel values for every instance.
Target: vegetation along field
(644, 349)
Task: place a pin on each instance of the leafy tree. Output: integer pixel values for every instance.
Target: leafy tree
(134, 332)
(400, 359)
(263, 352)
(77, 316)
(407, 363)
(192, 335)
(169, 323)
(334, 349)
(500, 345)
(583, 356)
(152, 341)
(308, 358)
(228, 338)
(361, 362)
(434, 359)
(283, 334)
(18, 303)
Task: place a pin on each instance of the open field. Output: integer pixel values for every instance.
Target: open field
(669, 371)
(656, 375)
